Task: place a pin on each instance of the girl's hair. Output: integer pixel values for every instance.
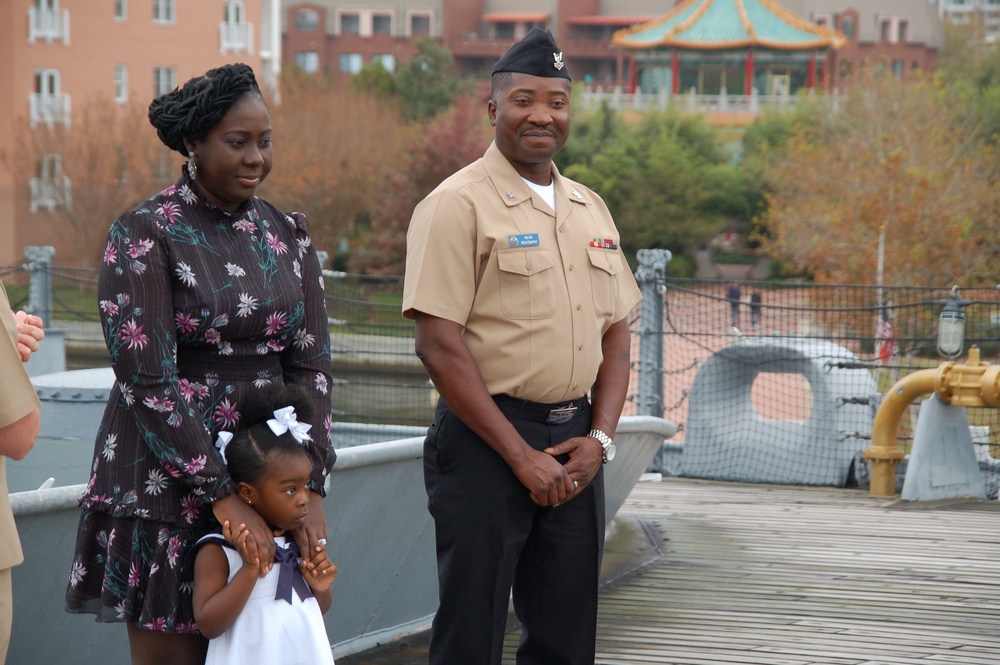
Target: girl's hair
(254, 442)
(191, 111)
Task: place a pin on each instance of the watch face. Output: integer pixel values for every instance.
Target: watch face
(609, 452)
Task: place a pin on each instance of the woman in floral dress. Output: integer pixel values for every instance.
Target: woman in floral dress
(206, 293)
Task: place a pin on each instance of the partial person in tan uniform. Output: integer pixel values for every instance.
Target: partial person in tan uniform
(18, 430)
(520, 294)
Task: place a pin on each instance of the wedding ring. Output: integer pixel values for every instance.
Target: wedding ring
(321, 541)
(576, 485)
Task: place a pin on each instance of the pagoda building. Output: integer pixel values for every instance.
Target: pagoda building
(728, 46)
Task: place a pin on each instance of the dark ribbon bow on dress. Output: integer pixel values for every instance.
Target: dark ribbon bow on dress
(289, 575)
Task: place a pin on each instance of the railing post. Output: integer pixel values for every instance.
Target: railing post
(39, 267)
(650, 276)
(51, 354)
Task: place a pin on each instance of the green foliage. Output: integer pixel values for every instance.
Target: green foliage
(376, 80)
(665, 177)
(427, 84)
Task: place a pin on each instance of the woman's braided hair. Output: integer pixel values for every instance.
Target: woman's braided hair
(191, 111)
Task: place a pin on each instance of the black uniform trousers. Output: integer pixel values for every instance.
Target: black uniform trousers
(492, 538)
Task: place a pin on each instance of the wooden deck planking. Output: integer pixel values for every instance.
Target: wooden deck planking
(776, 575)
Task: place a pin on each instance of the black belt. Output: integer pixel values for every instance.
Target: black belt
(201, 362)
(552, 414)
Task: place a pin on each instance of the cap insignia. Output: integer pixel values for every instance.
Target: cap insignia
(559, 64)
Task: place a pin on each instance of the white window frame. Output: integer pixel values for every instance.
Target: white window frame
(235, 34)
(164, 79)
(48, 104)
(164, 12)
(419, 13)
(47, 22)
(307, 61)
(307, 10)
(50, 188)
(357, 62)
(383, 59)
(121, 82)
(121, 10)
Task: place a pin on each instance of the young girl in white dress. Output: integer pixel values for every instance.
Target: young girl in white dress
(250, 613)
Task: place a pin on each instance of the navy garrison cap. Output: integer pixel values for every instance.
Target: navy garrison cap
(536, 54)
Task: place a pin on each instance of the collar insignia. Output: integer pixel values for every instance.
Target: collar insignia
(511, 195)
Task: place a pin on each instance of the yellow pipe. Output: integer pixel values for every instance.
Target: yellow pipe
(970, 384)
(884, 453)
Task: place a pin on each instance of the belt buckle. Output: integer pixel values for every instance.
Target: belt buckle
(561, 414)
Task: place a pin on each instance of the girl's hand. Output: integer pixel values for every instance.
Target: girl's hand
(242, 540)
(260, 542)
(319, 573)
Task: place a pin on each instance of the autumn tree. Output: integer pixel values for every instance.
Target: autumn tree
(334, 151)
(104, 163)
(896, 157)
(448, 143)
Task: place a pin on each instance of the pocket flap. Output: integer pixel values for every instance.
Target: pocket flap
(525, 261)
(607, 260)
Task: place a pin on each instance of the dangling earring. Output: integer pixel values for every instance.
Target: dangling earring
(192, 167)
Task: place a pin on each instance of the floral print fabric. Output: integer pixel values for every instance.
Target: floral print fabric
(199, 306)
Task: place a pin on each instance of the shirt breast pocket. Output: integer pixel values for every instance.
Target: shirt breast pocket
(527, 283)
(605, 266)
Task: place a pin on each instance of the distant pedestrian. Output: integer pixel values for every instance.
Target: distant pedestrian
(733, 295)
(755, 301)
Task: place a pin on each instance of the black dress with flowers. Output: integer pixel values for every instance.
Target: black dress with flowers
(199, 306)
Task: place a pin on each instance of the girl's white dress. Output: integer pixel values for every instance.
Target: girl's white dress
(269, 630)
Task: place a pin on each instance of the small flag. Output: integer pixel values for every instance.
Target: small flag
(885, 337)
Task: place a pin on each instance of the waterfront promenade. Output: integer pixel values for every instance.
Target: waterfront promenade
(709, 573)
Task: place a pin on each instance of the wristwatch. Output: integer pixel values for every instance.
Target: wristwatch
(607, 445)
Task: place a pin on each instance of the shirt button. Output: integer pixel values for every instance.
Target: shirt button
(579, 307)
(580, 348)
(571, 267)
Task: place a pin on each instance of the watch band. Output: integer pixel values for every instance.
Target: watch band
(607, 444)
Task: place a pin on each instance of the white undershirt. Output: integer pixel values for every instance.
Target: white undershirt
(547, 192)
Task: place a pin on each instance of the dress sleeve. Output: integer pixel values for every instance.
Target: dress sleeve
(306, 361)
(137, 317)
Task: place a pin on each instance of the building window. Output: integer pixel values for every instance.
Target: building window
(50, 188)
(121, 10)
(884, 29)
(898, 68)
(503, 30)
(902, 30)
(387, 60)
(121, 83)
(48, 104)
(164, 80)
(382, 24)
(847, 27)
(163, 11)
(350, 63)
(46, 21)
(350, 24)
(307, 20)
(235, 34)
(420, 25)
(307, 61)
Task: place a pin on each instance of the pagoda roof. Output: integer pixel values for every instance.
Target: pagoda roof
(729, 24)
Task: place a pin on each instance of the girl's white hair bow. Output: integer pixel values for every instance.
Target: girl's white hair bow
(221, 443)
(285, 421)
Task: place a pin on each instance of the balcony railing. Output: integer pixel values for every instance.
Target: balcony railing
(49, 109)
(593, 97)
(51, 193)
(235, 37)
(48, 24)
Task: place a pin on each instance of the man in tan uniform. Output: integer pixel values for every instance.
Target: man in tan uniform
(18, 429)
(520, 294)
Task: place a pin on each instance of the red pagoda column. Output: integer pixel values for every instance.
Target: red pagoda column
(675, 73)
(748, 76)
(811, 72)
